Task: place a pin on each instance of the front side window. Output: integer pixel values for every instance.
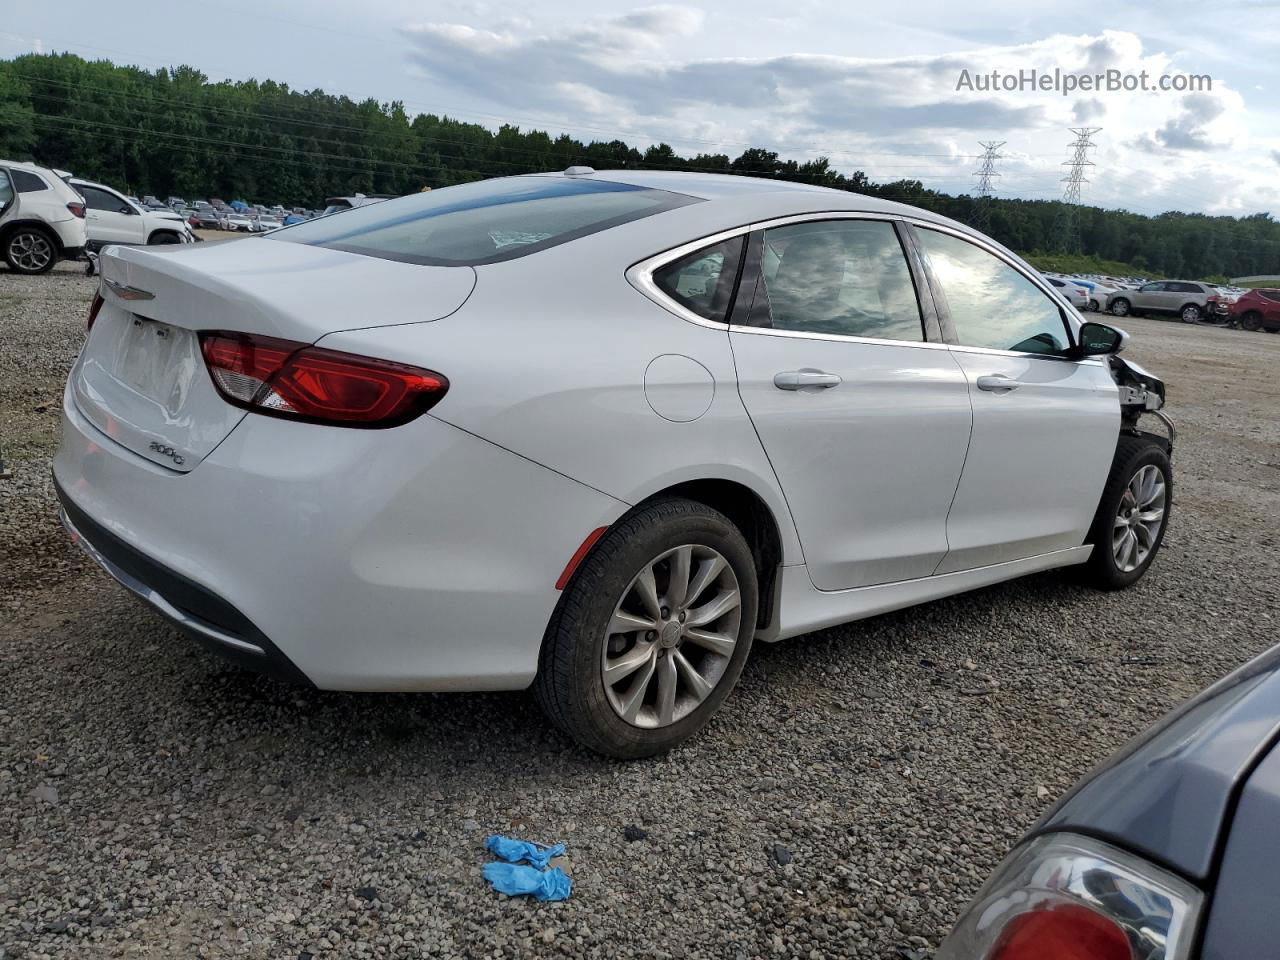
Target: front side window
(703, 281)
(27, 182)
(992, 304)
(97, 199)
(484, 222)
(843, 277)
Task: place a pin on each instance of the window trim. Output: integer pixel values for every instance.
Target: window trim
(640, 276)
(944, 310)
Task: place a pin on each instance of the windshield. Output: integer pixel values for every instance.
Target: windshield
(484, 222)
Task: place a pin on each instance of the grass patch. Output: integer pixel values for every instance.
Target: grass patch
(1080, 263)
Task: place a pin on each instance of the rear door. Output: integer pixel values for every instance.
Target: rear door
(864, 418)
(1044, 425)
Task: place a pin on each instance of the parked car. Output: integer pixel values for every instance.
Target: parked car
(779, 416)
(1096, 291)
(1181, 298)
(1076, 295)
(293, 218)
(206, 218)
(1257, 310)
(1168, 850)
(237, 222)
(267, 224)
(111, 218)
(41, 218)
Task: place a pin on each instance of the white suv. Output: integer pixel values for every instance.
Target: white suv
(41, 218)
(113, 218)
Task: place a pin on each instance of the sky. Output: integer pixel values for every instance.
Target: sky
(873, 86)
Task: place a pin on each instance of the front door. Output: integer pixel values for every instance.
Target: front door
(865, 423)
(110, 219)
(1044, 425)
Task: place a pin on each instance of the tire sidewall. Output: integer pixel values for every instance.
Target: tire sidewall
(1104, 560)
(609, 571)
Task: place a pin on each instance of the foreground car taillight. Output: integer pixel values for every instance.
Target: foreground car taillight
(93, 310)
(1068, 897)
(285, 378)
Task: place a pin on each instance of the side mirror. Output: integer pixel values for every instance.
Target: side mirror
(1100, 340)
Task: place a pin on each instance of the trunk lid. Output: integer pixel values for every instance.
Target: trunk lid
(141, 378)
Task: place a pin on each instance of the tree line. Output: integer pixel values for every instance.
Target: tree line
(174, 132)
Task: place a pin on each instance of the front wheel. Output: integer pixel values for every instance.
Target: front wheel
(1120, 307)
(652, 631)
(1133, 514)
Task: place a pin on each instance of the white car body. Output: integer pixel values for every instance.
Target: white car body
(427, 556)
(113, 218)
(37, 198)
(238, 222)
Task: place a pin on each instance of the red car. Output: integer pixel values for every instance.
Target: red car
(1258, 310)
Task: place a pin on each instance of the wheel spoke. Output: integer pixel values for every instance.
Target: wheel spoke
(696, 683)
(667, 682)
(708, 570)
(678, 586)
(624, 622)
(634, 698)
(715, 642)
(1126, 549)
(1142, 534)
(619, 668)
(647, 588)
(1150, 517)
(714, 610)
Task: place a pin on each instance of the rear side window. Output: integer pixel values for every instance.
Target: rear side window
(6, 189)
(993, 305)
(484, 222)
(27, 182)
(703, 281)
(843, 277)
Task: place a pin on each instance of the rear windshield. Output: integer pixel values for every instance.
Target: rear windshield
(483, 222)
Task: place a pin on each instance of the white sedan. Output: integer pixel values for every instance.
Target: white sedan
(594, 433)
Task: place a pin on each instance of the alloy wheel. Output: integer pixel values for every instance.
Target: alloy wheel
(1190, 314)
(1120, 308)
(671, 636)
(30, 251)
(1139, 518)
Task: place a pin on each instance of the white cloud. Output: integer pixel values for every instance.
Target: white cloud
(900, 117)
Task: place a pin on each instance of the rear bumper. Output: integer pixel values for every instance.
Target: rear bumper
(198, 613)
(415, 558)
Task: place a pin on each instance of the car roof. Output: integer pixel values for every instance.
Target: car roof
(26, 165)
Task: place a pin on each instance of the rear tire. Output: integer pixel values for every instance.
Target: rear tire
(635, 565)
(1126, 533)
(30, 250)
(1191, 313)
(1251, 321)
(1120, 307)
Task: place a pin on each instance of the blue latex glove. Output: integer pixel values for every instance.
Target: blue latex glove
(513, 851)
(516, 879)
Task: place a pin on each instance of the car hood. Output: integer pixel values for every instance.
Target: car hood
(1167, 793)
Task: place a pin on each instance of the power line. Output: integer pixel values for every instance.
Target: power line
(1068, 231)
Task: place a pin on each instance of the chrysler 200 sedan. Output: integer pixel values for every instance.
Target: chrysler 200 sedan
(593, 433)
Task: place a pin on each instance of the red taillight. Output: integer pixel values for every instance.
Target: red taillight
(77, 209)
(93, 310)
(1062, 932)
(285, 378)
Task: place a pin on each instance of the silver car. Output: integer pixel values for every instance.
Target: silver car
(1186, 299)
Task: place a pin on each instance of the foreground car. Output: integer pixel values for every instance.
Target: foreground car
(1168, 850)
(594, 433)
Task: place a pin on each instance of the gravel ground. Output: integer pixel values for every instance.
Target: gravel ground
(848, 800)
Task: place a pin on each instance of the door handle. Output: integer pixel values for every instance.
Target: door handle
(997, 383)
(799, 379)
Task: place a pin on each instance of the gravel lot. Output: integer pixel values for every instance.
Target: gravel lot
(849, 799)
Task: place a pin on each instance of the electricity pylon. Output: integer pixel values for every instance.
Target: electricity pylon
(1068, 227)
(982, 205)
